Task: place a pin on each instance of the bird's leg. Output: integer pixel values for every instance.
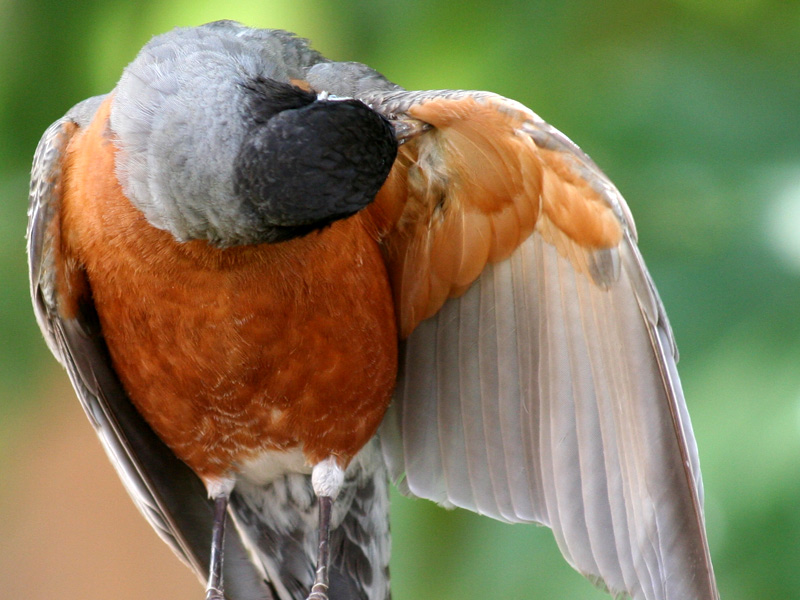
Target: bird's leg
(327, 478)
(220, 494)
(319, 591)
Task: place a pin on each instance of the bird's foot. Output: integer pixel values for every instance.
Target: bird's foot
(318, 592)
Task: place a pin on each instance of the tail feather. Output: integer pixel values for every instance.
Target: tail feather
(278, 523)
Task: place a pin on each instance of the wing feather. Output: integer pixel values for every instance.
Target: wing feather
(542, 385)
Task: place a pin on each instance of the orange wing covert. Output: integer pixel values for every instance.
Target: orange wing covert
(469, 192)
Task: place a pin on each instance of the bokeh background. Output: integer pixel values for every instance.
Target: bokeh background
(691, 106)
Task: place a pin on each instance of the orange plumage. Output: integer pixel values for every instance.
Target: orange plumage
(228, 352)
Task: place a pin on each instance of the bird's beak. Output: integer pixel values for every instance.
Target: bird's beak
(407, 129)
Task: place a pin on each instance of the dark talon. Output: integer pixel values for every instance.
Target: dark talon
(408, 128)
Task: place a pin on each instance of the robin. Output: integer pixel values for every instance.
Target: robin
(246, 253)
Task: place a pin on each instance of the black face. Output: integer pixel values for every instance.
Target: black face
(306, 162)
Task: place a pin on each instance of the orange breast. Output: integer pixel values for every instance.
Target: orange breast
(227, 352)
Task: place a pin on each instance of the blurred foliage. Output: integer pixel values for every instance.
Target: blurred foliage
(691, 106)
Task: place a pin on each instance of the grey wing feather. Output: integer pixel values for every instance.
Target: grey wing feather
(164, 489)
(546, 395)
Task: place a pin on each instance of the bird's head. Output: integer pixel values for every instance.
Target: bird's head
(306, 160)
(213, 143)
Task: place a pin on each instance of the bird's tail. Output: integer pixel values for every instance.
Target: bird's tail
(278, 523)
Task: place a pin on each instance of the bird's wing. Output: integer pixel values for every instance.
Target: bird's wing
(538, 378)
(164, 489)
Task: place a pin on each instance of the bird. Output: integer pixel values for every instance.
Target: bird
(279, 282)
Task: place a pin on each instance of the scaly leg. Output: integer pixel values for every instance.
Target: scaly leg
(327, 478)
(219, 492)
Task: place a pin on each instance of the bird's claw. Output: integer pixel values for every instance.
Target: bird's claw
(408, 128)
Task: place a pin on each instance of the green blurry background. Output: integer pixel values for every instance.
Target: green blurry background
(692, 107)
